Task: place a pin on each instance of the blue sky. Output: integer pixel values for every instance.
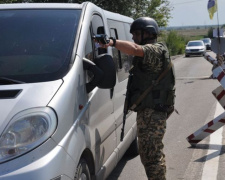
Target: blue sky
(195, 12)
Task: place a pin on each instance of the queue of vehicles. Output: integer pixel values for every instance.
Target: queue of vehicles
(198, 47)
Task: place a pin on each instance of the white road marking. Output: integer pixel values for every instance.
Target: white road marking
(210, 168)
(192, 78)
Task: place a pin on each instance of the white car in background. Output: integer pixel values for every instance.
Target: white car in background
(195, 48)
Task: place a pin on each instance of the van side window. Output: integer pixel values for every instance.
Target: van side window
(116, 53)
(127, 29)
(92, 49)
(120, 30)
(97, 27)
(89, 47)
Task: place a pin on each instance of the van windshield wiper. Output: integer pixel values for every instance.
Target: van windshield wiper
(4, 81)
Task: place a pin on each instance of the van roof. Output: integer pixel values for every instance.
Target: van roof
(109, 15)
(42, 6)
(117, 16)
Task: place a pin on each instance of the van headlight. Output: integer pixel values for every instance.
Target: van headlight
(26, 130)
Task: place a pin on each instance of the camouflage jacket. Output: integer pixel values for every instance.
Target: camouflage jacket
(145, 71)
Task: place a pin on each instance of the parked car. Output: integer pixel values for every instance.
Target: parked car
(195, 48)
(207, 42)
(61, 96)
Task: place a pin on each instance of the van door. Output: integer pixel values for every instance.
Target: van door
(120, 30)
(101, 119)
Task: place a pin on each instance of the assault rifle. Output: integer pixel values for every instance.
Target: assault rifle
(126, 105)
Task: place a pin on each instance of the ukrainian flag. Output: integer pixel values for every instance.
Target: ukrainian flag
(212, 7)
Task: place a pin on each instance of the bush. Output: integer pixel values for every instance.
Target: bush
(175, 43)
(210, 33)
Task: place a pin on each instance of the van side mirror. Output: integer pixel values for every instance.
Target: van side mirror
(104, 72)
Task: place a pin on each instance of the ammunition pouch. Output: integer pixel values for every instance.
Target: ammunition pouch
(156, 99)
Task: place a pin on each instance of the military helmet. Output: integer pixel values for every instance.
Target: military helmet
(145, 23)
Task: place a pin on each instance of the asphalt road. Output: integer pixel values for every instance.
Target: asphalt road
(196, 106)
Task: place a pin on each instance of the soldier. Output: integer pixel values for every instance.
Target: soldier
(150, 61)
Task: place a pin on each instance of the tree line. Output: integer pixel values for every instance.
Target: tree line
(160, 10)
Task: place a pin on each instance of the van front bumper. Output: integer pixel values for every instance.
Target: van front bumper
(55, 165)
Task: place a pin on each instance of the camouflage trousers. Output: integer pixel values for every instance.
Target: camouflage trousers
(151, 127)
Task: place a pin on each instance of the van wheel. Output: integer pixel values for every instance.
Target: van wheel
(82, 171)
(133, 150)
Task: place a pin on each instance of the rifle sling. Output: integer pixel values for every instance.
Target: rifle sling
(150, 88)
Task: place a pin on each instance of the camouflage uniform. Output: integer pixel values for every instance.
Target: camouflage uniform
(151, 126)
(151, 123)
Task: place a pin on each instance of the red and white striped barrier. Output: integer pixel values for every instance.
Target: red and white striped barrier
(210, 59)
(219, 93)
(207, 129)
(220, 75)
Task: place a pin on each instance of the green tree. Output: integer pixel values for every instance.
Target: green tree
(118, 6)
(10, 1)
(160, 10)
(210, 32)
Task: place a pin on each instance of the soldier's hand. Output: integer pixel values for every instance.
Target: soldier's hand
(102, 40)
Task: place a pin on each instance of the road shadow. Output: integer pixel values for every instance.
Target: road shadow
(220, 150)
(115, 174)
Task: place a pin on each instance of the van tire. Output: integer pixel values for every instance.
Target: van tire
(133, 150)
(82, 171)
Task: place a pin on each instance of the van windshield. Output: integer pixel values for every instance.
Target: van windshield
(36, 45)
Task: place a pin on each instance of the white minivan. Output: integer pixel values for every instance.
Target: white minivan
(61, 96)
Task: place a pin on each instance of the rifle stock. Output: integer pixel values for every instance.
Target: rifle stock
(126, 107)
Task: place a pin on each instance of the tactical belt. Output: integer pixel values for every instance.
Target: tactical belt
(150, 88)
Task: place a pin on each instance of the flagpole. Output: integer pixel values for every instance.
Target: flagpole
(218, 24)
(220, 61)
